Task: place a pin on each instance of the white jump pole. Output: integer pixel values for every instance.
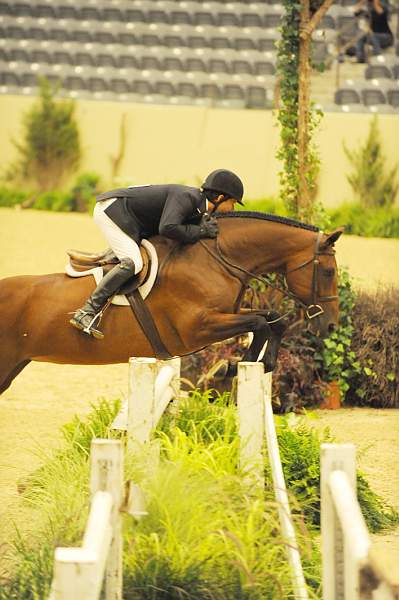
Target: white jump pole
(251, 423)
(345, 538)
(281, 495)
(79, 572)
(152, 385)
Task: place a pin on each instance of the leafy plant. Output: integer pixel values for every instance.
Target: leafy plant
(84, 191)
(376, 221)
(337, 361)
(50, 148)
(372, 185)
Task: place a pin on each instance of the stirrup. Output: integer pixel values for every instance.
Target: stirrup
(89, 329)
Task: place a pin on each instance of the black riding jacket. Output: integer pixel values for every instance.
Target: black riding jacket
(174, 211)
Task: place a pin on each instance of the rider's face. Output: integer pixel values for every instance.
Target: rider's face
(226, 206)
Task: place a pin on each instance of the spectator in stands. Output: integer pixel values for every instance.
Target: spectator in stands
(379, 35)
(127, 215)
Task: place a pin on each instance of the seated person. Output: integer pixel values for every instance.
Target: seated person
(379, 36)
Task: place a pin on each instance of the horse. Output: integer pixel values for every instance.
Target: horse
(195, 300)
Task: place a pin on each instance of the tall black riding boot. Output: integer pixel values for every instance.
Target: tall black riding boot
(86, 318)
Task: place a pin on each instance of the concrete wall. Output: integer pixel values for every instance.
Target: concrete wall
(182, 144)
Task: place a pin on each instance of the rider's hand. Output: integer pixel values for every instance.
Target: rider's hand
(208, 227)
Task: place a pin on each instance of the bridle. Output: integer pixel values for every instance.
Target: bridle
(312, 310)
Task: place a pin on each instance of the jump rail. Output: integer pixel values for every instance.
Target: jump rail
(351, 569)
(79, 572)
(254, 403)
(152, 385)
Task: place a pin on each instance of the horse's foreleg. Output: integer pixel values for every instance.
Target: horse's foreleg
(268, 331)
(7, 380)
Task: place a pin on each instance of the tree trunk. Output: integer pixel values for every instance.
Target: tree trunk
(303, 114)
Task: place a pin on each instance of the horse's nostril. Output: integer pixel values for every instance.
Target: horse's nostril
(331, 327)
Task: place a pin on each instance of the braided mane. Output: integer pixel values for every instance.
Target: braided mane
(249, 214)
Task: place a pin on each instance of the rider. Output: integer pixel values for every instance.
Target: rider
(127, 215)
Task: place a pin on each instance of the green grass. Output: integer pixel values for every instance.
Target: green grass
(209, 535)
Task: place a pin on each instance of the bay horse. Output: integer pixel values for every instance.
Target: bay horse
(195, 300)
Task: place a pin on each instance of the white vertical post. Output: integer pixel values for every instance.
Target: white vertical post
(281, 495)
(338, 581)
(251, 424)
(107, 476)
(141, 398)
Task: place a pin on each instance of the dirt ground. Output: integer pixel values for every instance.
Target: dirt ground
(46, 396)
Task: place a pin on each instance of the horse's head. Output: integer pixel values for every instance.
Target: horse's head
(314, 281)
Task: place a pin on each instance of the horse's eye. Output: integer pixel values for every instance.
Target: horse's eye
(329, 272)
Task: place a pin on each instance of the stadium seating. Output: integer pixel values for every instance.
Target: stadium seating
(215, 52)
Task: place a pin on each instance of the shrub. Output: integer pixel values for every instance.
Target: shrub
(58, 201)
(50, 148)
(373, 222)
(84, 192)
(376, 344)
(11, 197)
(370, 182)
(267, 205)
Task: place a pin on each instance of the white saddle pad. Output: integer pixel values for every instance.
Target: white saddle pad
(120, 300)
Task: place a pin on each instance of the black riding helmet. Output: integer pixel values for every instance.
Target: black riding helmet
(225, 182)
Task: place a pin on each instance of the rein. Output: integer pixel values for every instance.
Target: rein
(308, 308)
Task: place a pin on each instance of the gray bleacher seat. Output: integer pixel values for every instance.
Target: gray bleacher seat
(62, 35)
(119, 86)
(127, 39)
(181, 17)
(251, 19)
(218, 65)
(63, 57)
(157, 15)
(373, 96)
(19, 54)
(74, 83)
(97, 84)
(29, 80)
(347, 96)
(210, 90)
(164, 88)
(204, 17)
(40, 56)
(392, 95)
(6, 8)
(113, 14)
(149, 62)
(245, 43)
(195, 65)
(319, 51)
(256, 97)
(44, 11)
(221, 41)
(186, 89)
(90, 13)
(67, 11)
(264, 67)
(242, 67)
(233, 95)
(395, 71)
(103, 37)
(327, 22)
(22, 9)
(173, 63)
(9, 79)
(135, 15)
(85, 58)
(228, 18)
(16, 33)
(378, 72)
(142, 87)
(266, 40)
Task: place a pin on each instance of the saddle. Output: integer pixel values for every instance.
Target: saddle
(83, 261)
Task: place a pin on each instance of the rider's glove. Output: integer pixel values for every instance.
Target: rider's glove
(208, 227)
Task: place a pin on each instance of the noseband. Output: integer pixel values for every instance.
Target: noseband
(312, 310)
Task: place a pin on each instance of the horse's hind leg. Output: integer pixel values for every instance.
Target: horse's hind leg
(7, 378)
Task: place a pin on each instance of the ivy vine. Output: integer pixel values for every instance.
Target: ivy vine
(288, 70)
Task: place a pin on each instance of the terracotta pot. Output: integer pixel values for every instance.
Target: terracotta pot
(332, 398)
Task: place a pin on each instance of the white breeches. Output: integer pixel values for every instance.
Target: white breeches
(123, 245)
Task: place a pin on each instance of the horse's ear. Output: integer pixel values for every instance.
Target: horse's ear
(332, 237)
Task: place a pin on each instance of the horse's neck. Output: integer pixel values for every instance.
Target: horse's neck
(263, 246)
